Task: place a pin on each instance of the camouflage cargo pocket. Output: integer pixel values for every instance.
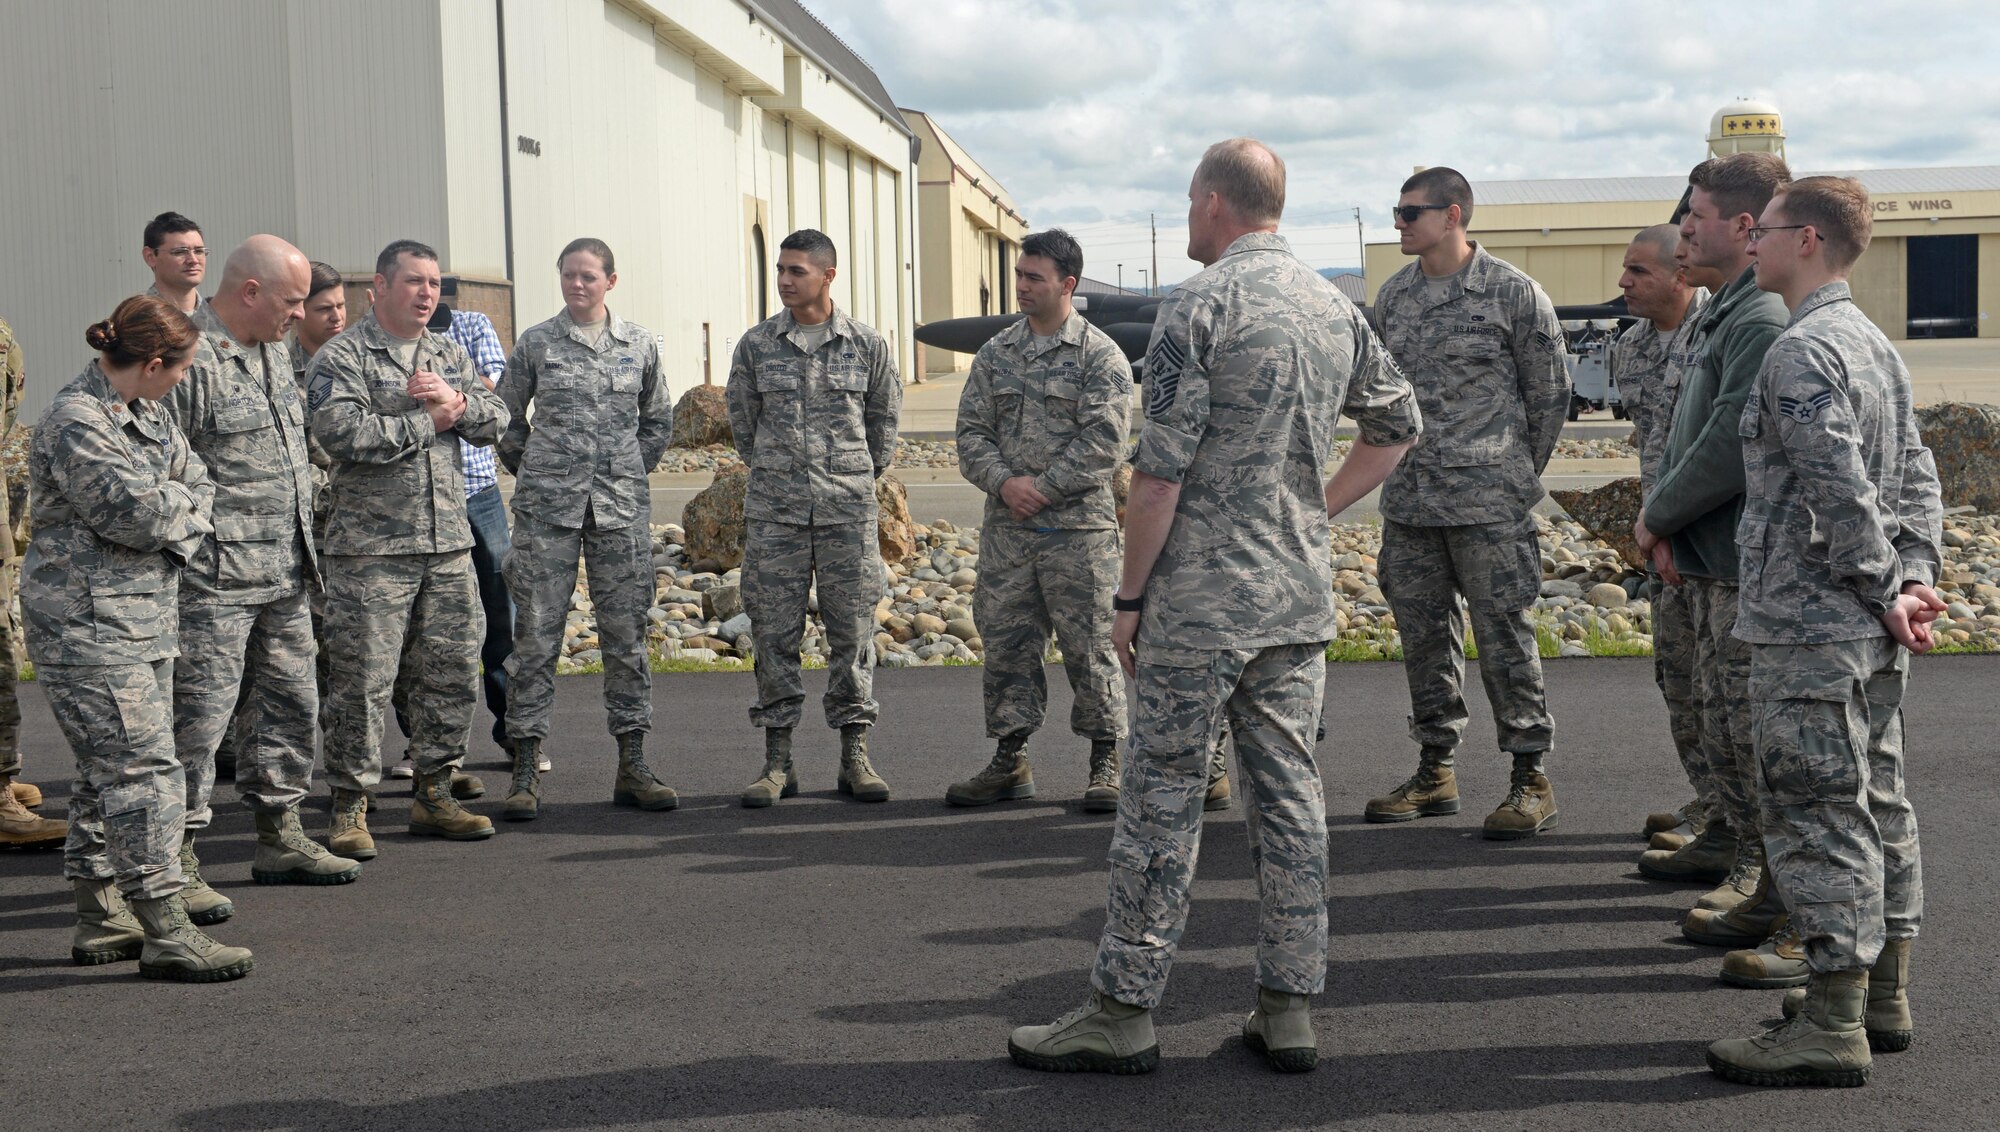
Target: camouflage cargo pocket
(1809, 741)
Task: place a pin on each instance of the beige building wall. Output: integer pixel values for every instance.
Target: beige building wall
(970, 233)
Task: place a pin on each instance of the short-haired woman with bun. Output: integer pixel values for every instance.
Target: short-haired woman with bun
(120, 505)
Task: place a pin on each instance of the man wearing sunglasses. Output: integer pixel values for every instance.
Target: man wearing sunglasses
(1481, 344)
(1688, 528)
(1839, 543)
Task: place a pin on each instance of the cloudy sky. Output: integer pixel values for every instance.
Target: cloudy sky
(1093, 112)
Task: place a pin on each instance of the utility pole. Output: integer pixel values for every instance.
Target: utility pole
(1361, 242)
(1121, 278)
(1154, 220)
(1142, 282)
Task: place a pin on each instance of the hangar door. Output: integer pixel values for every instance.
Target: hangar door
(1944, 286)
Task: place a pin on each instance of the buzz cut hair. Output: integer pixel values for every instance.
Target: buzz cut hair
(1059, 248)
(1248, 175)
(1838, 209)
(168, 224)
(817, 245)
(386, 263)
(1443, 185)
(1663, 239)
(1741, 183)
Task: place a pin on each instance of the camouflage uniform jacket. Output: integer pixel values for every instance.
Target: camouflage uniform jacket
(1251, 364)
(1490, 374)
(121, 505)
(602, 419)
(818, 427)
(249, 429)
(1059, 413)
(14, 375)
(322, 491)
(1645, 367)
(397, 484)
(1841, 501)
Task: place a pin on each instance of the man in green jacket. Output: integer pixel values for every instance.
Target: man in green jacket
(1688, 527)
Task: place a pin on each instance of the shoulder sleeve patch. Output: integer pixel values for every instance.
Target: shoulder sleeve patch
(1805, 409)
(1163, 374)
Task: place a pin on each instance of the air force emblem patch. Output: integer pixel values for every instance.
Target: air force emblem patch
(1804, 409)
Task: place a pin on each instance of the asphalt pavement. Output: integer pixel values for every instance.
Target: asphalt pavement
(828, 964)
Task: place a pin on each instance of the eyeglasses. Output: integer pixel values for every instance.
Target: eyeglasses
(186, 253)
(1410, 212)
(1757, 234)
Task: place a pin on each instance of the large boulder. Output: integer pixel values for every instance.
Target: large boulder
(713, 520)
(1608, 513)
(701, 417)
(894, 531)
(1965, 438)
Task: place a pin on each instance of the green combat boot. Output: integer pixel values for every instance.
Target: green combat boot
(1748, 924)
(1281, 1029)
(204, 904)
(347, 829)
(524, 796)
(1219, 794)
(636, 784)
(1101, 1036)
(857, 777)
(1431, 792)
(777, 781)
(1707, 859)
(1006, 778)
(435, 813)
(1101, 795)
(1529, 808)
(1887, 1021)
(285, 855)
(105, 929)
(1779, 961)
(1823, 1044)
(1671, 819)
(1745, 879)
(21, 829)
(175, 949)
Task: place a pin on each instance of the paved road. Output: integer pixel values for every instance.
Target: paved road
(826, 964)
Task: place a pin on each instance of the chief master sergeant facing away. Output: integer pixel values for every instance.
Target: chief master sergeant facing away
(1228, 591)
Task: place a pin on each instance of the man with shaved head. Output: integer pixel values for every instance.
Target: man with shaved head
(244, 601)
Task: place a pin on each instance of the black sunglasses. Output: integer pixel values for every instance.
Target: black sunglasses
(1410, 212)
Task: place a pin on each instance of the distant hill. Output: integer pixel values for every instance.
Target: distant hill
(1337, 272)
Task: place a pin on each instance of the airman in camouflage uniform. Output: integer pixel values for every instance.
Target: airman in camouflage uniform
(1840, 544)
(398, 564)
(121, 505)
(1485, 353)
(602, 416)
(815, 406)
(245, 606)
(18, 825)
(1251, 365)
(1055, 410)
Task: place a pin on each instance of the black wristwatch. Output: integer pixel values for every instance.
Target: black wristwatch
(1127, 605)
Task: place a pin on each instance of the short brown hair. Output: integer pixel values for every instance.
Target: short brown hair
(1838, 209)
(1741, 182)
(143, 327)
(1249, 177)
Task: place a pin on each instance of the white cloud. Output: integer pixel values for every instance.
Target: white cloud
(1094, 113)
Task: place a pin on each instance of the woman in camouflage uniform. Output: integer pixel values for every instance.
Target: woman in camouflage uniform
(121, 505)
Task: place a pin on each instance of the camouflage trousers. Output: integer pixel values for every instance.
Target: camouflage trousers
(127, 803)
(1271, 699)
(541, 574)
(1035, 582)
(1495, 568)
(262, 656)
(782, 564)
(1722, 703)
(1839, 833)
(1674, 671)
(10, 654)
(375, 604)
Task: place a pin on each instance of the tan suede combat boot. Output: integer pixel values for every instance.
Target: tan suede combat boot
(1529, 808)
(524, 795)
(204, 904)
(1779, 961)
(26, 793)
(1431, 792)
(1707, 859)
(1748, 924)
(465, 787)
(1887, 1020)
(1281, 1029)
(857, 776)
(175, 949)
(435, 813)
(285, 855)
(105, 929)
(1100, 796)
(1101, 1036)
(1006, 778)
(1662, 822)
(1219, 794)
(21, 829)
(347, 830)
(777, 781)
(636, 785)
(1823, 1044)
(1745, 879)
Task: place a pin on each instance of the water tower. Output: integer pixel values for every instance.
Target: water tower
(1746, 126)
